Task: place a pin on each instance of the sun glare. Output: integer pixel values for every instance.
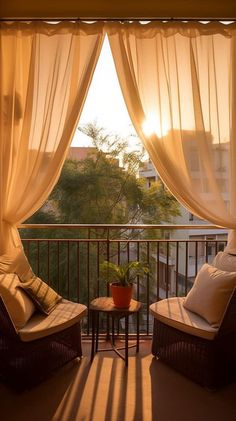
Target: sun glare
(152, 126)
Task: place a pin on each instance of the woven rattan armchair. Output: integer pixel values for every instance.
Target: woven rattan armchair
(187, 343)
(44, 344)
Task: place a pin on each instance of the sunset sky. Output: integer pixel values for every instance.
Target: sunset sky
(105, 102)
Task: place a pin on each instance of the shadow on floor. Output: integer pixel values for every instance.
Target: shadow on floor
(106, 391)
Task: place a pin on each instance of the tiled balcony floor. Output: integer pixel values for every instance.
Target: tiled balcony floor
(106, 391)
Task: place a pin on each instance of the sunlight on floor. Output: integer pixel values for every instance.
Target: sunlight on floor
(106, 391)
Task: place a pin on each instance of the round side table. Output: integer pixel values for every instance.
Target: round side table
(106, 305)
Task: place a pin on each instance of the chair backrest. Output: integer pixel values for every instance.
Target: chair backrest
(228, 324)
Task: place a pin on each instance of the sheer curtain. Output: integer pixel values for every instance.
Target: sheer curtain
(45, 73)
(179, 85)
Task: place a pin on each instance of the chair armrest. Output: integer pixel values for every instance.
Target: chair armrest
(228, 324)
(7, 326)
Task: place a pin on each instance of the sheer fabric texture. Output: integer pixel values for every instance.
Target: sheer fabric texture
(45, 73)
(179, 84)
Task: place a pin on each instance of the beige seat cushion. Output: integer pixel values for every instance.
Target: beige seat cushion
(16, 262)
(211, 293)
(19, 306)
(44, 297)
(63, 316)
(172, 312)
(225, 261)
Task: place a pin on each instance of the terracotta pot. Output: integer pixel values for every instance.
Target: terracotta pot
(121, 295)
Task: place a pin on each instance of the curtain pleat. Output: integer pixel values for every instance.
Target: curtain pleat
(45, 73)
(178, 81)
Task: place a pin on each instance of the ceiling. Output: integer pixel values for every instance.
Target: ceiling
(117, 9)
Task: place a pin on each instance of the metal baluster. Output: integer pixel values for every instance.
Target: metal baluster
(186, 269)
(177, 269)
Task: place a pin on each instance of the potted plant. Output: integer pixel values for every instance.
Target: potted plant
(122, 277)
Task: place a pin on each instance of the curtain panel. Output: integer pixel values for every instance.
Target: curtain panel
(45, 73)
(179, 85)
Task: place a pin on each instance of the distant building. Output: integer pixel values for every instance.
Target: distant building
(149, 173)
(79, 153)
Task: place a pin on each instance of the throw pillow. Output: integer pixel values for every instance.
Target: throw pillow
(19, 306)
(44, 297)
(16, 261)
(211, 293)
(225, 261)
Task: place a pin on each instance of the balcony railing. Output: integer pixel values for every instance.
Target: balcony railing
(67, 257)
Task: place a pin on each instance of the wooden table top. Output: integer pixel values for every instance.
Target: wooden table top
(106, 304)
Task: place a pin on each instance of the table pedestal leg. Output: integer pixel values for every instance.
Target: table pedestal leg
(113, 331)
(97, 330)
(126, 339)
(93, 335)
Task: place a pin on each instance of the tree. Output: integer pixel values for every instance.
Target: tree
(98, 190)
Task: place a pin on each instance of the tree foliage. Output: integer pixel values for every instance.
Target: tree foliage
(98, 190)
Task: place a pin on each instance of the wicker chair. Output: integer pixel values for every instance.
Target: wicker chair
(188, 344)
(44, 344)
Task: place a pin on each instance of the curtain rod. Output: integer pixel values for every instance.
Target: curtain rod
(129, 19)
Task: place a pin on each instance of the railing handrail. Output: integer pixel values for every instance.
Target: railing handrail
(124, 240)
(122, 226)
